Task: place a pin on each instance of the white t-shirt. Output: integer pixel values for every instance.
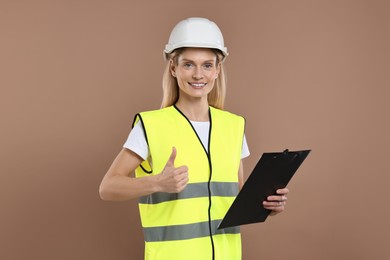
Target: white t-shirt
(136, 140)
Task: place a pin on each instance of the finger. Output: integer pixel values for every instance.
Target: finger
(277, 198)
(277, 206)
(172, 157)
(182, 186)
(181, 169)
(181, 175)
(274, 203)
(183, 182)
(275, 209)
(283, 191)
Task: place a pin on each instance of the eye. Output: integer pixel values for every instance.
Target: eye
(187, 65)
(208, 66)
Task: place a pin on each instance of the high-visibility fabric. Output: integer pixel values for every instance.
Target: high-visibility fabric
(184, 225)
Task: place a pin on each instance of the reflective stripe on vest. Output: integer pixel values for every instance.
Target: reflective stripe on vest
(188, 231)
(191, 216)
(193, 190)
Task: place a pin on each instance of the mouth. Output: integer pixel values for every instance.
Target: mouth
(197, 85)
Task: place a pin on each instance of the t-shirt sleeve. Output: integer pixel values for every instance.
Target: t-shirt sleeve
(136, 141)
(245, 150)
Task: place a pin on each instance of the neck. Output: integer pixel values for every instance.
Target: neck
(194, 111)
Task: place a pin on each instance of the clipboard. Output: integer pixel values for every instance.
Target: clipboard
(273, 171)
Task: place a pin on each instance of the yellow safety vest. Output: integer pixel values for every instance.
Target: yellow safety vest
(183, 226)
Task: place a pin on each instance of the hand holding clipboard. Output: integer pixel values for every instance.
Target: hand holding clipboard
(272, 172)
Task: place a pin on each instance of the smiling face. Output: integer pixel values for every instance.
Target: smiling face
(195, 70)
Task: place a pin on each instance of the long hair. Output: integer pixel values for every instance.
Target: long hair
(216, 97)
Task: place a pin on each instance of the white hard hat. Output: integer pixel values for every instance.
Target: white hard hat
(195, 32)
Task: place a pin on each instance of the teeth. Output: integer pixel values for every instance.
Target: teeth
(198, 84)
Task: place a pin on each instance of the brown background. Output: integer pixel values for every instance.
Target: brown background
(305, 74)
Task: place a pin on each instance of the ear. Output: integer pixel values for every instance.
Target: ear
(218, 70)
(172, 68)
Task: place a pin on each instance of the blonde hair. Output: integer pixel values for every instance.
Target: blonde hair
(216, 97)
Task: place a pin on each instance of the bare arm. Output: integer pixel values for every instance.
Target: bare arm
(241, 175)
(117, 185)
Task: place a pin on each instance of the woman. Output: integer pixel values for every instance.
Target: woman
(186, 155)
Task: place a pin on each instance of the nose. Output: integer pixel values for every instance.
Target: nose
(197, 74)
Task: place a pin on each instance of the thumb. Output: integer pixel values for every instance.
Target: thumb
(171, 160)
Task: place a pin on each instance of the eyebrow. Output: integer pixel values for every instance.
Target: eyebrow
(188, 60)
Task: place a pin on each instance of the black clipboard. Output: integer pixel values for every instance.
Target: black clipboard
(273, 171)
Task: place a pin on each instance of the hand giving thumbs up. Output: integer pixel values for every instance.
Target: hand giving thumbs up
(172, 179)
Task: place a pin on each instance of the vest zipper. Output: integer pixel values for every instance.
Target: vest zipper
(209, 187)
(209, 181)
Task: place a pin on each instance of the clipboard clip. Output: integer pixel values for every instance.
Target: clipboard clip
(285, 153)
